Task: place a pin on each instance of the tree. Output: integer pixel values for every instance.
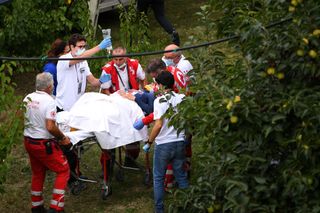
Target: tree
(27, 27)
(255, 114)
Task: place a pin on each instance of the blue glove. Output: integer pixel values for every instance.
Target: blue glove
(146, 148)
(104, 78)
(138, 124)
(105, 43)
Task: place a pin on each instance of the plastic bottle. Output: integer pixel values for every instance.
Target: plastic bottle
(106, 33)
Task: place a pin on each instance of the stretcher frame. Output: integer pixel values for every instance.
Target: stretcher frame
(108, 167)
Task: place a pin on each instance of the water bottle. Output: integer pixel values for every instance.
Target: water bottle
(106, 33)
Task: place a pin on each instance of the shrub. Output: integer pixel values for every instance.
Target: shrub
(256, 115)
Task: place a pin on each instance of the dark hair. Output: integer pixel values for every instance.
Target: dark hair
(76, 38)
(57, 47)
(156, 65)
(166, 79)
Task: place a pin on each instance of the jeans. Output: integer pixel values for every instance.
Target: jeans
(145, 101)
(173, 152)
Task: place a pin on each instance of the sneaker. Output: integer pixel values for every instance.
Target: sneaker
(175, 38)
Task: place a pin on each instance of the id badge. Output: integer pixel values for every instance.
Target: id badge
(79, 87)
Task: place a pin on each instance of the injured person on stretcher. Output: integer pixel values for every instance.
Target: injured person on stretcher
(107, 118)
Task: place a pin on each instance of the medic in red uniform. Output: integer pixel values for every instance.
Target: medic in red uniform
(42, 139)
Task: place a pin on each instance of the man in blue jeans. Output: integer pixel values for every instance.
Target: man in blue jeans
(170, 146)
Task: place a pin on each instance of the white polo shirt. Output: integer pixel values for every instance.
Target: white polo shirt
(39, 107)
(184, 65)
(167, 133)
(71, 82)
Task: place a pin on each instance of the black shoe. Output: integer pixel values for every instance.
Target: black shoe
(39, 209)
(55, 211)
(175, 38)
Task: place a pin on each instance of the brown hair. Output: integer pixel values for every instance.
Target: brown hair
(57, 48)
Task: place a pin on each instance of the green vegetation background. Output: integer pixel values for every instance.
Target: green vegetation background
(254, 113)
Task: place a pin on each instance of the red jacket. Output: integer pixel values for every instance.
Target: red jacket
(179, 78)
(132, 67)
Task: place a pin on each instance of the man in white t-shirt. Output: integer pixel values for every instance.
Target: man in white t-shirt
(41, 138)
(72, 75)
(176, 59)
(170, 146)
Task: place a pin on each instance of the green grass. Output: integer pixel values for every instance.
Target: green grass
(129, 196)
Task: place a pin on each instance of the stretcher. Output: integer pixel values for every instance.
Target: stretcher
(108, 122)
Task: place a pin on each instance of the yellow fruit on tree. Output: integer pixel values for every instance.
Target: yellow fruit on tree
(270, 71)
(299, 137)
(237, 99)
(305, 40)
(210, 209)
(280, 75)
(294, 2)
(233, 119)
(313, 54)
(229, 105)
(316, 32)
(300, 52)
(291, 9)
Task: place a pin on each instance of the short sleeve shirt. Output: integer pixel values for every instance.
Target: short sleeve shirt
(184, 65)
(39, 107)
(167, 133)
(71, 82)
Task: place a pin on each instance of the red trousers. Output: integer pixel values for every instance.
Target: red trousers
(41, 161)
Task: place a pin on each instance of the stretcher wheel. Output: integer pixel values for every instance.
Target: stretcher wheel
(105, 192)
(120, 175)
(77, 187)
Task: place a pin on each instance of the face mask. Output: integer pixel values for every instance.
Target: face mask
(80, 51)
(168, 62)
(121, 66)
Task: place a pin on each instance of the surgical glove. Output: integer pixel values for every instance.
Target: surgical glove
(105, 43)
(146, 148)
(104, 78)
(138, 124)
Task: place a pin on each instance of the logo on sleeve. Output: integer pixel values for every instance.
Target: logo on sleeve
(53, 114)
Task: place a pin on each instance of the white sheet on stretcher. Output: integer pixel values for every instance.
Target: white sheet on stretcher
(109, 118)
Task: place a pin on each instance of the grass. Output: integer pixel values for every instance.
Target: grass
(129, 196)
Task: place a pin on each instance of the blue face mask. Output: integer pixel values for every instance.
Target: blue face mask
(80, 51)
(169, 62)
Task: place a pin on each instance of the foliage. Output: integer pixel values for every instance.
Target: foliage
(27, 26)
(134, 28)
(11, 119)
(257, 118)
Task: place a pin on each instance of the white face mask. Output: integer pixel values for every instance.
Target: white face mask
(121, 66)
(80, 51)
(168, 62)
